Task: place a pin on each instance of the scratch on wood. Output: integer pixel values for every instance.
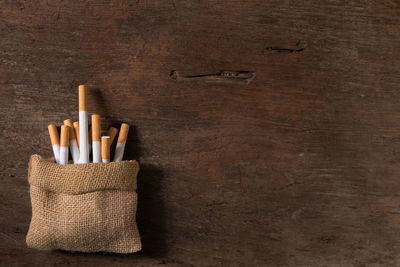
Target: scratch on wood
(8, 237)
(222, 76)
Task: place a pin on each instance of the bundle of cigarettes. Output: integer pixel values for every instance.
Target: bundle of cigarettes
(77, 138)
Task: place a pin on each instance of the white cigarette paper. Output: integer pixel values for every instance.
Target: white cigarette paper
(55, 141)
(96, 133)
(96, 151)
(56, 152)
(83, 126)
(120, 148)
(73, 144)
(64, 142)
(119, 151)
(64, 155)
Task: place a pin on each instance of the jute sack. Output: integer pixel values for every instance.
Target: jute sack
(83, 207)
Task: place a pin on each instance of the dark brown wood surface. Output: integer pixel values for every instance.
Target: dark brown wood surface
(268, 131)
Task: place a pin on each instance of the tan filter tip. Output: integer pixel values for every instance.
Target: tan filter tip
(112, 132)
(64, 141)
(105, 147)
(54, 137)
(76, 127)
(123, 133)
(71, 129)
(96, 127)
(82, 98)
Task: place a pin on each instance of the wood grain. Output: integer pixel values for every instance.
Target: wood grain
(298, 167)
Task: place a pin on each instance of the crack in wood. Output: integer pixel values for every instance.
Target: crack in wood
(300, 47)
(221, 76)
(284, 50)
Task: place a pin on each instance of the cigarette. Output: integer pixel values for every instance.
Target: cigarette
(96, 133)
(73, 145)
(76, 127)
(105, 149)
(55, 141)
(120, 148)
(83, 126)
(64, 143)
(112, 132)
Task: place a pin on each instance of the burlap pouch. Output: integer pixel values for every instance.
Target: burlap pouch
(83, 207)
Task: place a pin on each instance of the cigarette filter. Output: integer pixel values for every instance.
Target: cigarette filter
(76, 127)
(112, 132)
(64, 143)
(55, 141)
(96, 134)
(73, 145)
(83, 126)
(120, 148)
(105, 149)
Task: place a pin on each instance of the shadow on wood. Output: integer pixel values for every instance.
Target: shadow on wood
(151, 215)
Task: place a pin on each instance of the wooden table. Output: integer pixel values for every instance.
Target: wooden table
(268, 131)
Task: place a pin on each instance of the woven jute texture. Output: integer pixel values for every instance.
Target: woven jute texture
(83, 207)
